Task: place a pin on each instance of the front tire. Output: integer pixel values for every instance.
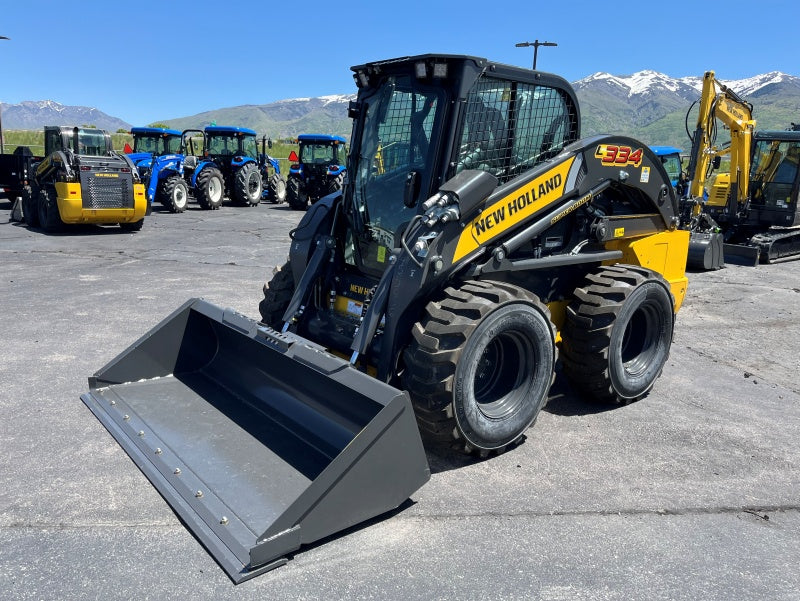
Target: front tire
(247, 185)
(480, 365)
(277, 295)
(173, 193)
(210, 188)
(618, 333)
(277, 189)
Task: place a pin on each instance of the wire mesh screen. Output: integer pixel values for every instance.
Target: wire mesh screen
(405, 132)
(510, 127)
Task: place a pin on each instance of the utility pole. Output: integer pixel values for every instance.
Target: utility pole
(535, 44)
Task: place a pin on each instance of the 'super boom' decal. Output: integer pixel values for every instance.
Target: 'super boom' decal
(612, 155)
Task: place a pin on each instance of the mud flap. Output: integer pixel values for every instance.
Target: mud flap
(261, 442)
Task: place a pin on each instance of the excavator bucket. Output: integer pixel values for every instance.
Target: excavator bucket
(261, 442)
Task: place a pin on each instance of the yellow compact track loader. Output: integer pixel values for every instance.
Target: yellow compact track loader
(476, 235)
(82, 180)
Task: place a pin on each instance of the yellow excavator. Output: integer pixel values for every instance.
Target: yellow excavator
(749, 212)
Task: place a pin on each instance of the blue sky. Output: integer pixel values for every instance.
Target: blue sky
(148, 64)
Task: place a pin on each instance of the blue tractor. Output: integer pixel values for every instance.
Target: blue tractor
(159, 156)
(232, 166)
(671, 159)
(318, 171)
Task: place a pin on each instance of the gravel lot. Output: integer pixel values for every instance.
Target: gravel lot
(691, 493)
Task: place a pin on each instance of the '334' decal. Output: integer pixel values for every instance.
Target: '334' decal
(611, 155)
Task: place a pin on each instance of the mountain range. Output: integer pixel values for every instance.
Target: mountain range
(647, 105)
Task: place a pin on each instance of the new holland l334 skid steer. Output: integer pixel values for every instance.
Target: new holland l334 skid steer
(477, 235)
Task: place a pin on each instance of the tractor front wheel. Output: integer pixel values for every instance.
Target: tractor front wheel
(209, 188)
(247, 185)
(173, 193)
(480, 365)
(277, 188)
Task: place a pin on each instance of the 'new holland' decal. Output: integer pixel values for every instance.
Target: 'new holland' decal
(513, 208)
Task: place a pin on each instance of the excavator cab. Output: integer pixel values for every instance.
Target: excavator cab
(775, 178)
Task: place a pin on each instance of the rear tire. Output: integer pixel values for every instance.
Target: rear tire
(480, 365)
(210, 188)
(49, 217)
(618, 333)
(173, 193)
(295, 194)
(247, 185)
(277, 295)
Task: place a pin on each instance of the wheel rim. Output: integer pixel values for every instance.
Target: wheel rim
(214, 189)
(179, 197)
(500, 373)
(254, 185)
(640, 339)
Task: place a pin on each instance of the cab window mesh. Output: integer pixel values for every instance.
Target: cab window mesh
(510, 127)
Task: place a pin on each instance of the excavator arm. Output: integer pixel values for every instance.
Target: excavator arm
(719, 102)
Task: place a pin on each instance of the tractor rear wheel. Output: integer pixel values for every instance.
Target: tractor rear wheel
(277, 295)
(296, 195)
(49, 217)
(618, 333)
(173, 193)
(209, 188)
(480, 365)
(247, 185)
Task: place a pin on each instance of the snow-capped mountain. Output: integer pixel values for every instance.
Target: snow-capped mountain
(653, 107)
(31, 114)
(647, 82)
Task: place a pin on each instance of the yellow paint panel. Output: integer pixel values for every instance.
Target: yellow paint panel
(664, 253)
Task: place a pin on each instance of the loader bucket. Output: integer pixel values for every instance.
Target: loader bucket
(261, 442)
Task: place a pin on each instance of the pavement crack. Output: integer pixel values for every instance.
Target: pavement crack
(760, 511)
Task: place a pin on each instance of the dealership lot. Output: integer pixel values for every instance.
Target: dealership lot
(691, 493)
